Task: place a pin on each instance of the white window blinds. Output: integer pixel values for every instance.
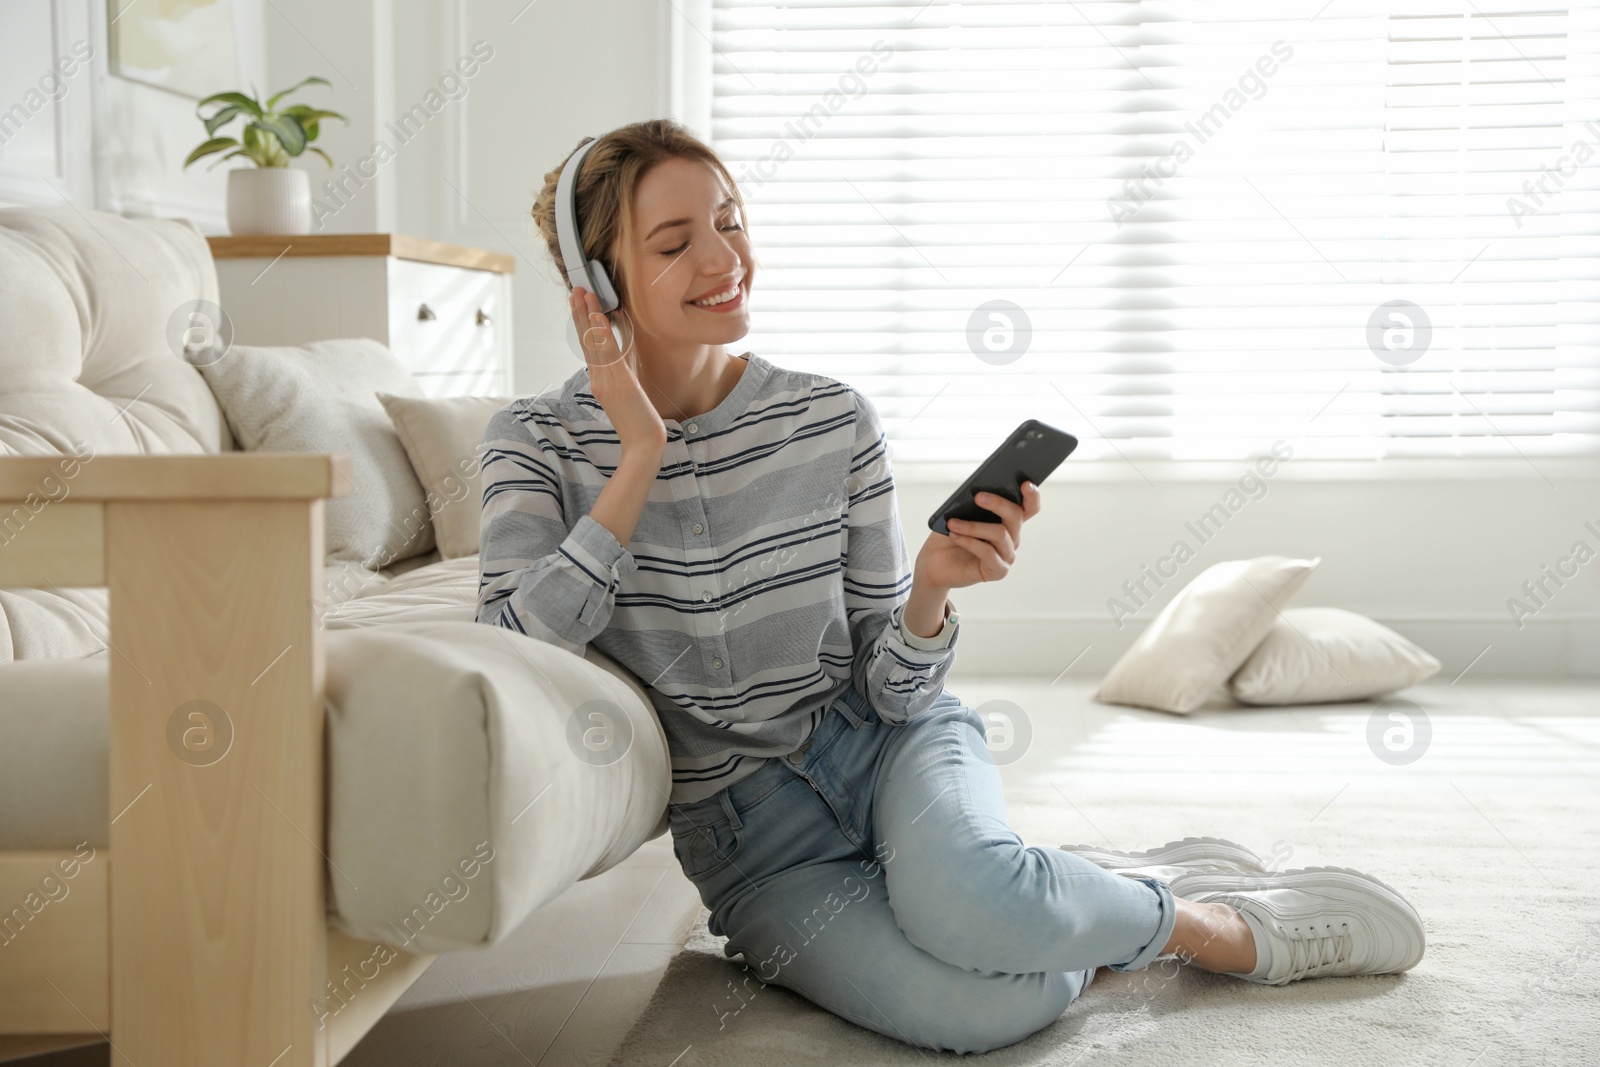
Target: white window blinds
(1199, 211)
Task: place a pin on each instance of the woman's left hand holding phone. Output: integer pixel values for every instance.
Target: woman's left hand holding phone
(970, 553)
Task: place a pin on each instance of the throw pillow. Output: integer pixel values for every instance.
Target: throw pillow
(1318, 655)
(322, 397)
(1204, 634)
(444, 438)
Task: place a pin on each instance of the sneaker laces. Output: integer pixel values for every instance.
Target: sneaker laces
(1311, 952)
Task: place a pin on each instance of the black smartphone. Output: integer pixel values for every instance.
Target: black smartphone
(1033, 450)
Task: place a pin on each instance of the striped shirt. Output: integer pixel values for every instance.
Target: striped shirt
(766, 573)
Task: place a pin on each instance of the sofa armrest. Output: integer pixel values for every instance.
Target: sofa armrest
(212, 564)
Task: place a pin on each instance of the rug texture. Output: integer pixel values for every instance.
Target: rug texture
(1504, 878)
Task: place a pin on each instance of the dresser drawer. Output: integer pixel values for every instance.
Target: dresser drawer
(445, 319)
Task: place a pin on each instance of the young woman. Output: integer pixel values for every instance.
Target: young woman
(726, 529)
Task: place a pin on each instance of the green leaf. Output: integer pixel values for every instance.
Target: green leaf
(310, 118)
(306, 113)
(313, 80)
(240, 99)
(224, 159)
(222, 117)
(321, 153)
(288, 131)
(216, 144)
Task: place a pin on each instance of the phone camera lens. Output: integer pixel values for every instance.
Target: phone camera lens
(1022, 444)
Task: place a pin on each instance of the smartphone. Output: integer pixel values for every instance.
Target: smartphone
(1033, 450)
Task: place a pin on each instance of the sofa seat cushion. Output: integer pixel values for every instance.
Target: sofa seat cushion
(72, 623)
(446, 590)
(473, 774)
(54, 789)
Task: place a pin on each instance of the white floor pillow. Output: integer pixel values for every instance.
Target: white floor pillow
(1204, 634)
(1318, 655)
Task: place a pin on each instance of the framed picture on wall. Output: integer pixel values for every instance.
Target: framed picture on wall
(183, 46)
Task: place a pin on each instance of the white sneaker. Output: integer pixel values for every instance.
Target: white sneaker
(1174, 861)
(1317, 922)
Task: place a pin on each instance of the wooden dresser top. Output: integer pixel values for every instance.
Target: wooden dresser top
(270, 246)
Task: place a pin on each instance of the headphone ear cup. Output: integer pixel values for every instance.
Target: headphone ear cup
(604, 291)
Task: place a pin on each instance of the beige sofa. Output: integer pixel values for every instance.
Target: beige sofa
(378, 779)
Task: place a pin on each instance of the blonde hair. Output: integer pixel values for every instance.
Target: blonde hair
(604, 187)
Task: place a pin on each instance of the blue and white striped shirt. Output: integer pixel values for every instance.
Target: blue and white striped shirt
(767, 571)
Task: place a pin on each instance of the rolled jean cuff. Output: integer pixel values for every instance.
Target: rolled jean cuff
(1169, 919)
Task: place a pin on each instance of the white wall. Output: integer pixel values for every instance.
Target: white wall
(558, 72)
(47, 57)
(352, 45)
(130, 163)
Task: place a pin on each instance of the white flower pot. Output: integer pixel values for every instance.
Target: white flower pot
(269, 200)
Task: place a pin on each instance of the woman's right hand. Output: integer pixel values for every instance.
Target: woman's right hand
(612, 380)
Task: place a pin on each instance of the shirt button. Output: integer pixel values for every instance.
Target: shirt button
(692, 428)
(717, 663)
(698, 528)
(706, 596)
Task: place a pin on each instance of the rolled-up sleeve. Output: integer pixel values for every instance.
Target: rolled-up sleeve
(537, 575)
(901, 673)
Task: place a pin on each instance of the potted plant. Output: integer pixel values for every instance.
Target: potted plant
(271, 197)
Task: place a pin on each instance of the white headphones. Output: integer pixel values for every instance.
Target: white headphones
(580, 271)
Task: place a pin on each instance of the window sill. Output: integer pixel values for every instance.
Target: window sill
(1552, 469)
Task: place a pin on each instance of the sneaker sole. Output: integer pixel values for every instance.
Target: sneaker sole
(1174, 853)
(1223, 883)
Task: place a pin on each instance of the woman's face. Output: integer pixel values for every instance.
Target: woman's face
(689, 244)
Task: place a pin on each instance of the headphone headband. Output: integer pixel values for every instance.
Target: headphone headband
(580, 271)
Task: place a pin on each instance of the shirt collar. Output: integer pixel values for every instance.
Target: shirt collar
(733, 405)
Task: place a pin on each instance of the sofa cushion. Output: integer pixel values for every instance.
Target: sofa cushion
(54, 788)
(86, 301)
(465, 787)
(454, 740)
(72, 623)
(322, 396)
(444, 591)
(42, 624)
(87, 366)
(444, 438)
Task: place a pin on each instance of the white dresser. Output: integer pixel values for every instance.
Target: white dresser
(443, 310)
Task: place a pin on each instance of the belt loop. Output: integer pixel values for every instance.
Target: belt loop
(846, 704)
(727, 806)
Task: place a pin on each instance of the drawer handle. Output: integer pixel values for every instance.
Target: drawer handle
(425, 314)
(483, 317)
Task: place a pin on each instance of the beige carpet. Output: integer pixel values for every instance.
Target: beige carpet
(1493, 835)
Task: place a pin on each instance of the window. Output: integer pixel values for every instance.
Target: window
(1179, 230)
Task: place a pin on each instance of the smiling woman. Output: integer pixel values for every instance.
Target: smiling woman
(726, 529)
(661, 213)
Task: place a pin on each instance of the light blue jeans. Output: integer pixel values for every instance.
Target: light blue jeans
(873, 872)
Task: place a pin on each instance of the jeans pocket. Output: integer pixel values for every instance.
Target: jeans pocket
(705, 848)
